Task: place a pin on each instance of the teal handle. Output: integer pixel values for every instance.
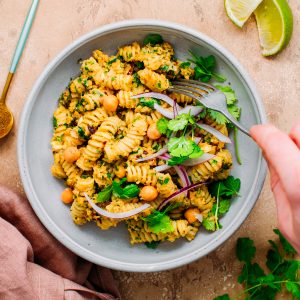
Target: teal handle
(23, 37)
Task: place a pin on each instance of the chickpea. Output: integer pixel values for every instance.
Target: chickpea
(148, 193)
(120, 171)
(191, 215)
(71, 154)
(67, 196)
(110, 103)
(153, 133)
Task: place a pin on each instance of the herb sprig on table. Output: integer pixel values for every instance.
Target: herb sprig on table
(283, 274)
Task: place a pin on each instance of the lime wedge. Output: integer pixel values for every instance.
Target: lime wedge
(275, 25)
(240, 10)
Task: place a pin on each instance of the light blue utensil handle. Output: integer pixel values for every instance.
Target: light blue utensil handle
(23, 37)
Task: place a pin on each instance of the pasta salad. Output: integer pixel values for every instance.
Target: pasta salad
(131, 151)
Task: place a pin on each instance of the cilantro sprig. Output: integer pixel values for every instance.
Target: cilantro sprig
(159, 221)
(283, 270)
(204, 68)
(153, 39)
(149, 102)
(223, 191)
(117, 189)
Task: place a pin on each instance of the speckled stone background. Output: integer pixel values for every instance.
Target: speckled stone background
(58, 23)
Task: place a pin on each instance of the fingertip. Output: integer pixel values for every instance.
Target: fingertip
(259, 132)
(295, 134)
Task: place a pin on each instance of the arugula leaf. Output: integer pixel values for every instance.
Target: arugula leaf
(162, 125)
(180, 146)
(128, 192)
(54, 122)
(287, 247)
(153, 39)
(148, 102)
(222, 297)
(105, 194)
(152, 245)
(245, 250)
(204, 69)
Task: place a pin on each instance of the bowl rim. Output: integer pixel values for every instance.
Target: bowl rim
(25, 176)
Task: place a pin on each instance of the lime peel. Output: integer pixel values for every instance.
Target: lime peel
(275, 25)
(239, 11)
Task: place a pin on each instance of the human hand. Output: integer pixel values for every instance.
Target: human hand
(282, 153)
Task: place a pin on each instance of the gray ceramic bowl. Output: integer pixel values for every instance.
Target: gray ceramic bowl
(112, 248)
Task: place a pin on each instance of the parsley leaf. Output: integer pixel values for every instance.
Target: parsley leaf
(287, 247)
(173, 161)
(162, 125)
(54, 122)
(229, 93)
(184, 65)
(153, 39)
(159, 221)
(180, 146)
(245, 250)
(152, 245)
(209, 224)
(128, 192)
(82, 134)
(204, 69)
(222, 297)
(224, 206)
(148, 102)
(229, 187)
(105, 194)
(179, 122)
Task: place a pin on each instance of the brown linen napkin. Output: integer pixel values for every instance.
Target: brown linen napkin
(34, 265)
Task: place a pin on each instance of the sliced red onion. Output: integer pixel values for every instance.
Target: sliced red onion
(162, 168)
(181, 172)
(165, 112)
(196, 161)
(165, 156)
(199, 217)
(187, 179)
(193, 110)
(154, 155)
(197, 139)
(110, 215)
(159, 96)
(220, 136)
(185, 189)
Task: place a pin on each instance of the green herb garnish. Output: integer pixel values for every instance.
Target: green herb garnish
(82, 134)
(127, 192)
(152, 245)
(159, 221)
(184, 65)
(162, 125)
(153, 39)
(54, 122)
(148, 102)
(204, 69)
(283, 270)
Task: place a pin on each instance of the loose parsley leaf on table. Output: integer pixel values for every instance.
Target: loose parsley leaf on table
(284, 271)
(204, 68)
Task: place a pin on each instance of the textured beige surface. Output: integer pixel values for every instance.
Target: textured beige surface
(60, 22)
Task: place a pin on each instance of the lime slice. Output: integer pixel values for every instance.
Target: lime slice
(275, 25)
(239, 11)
